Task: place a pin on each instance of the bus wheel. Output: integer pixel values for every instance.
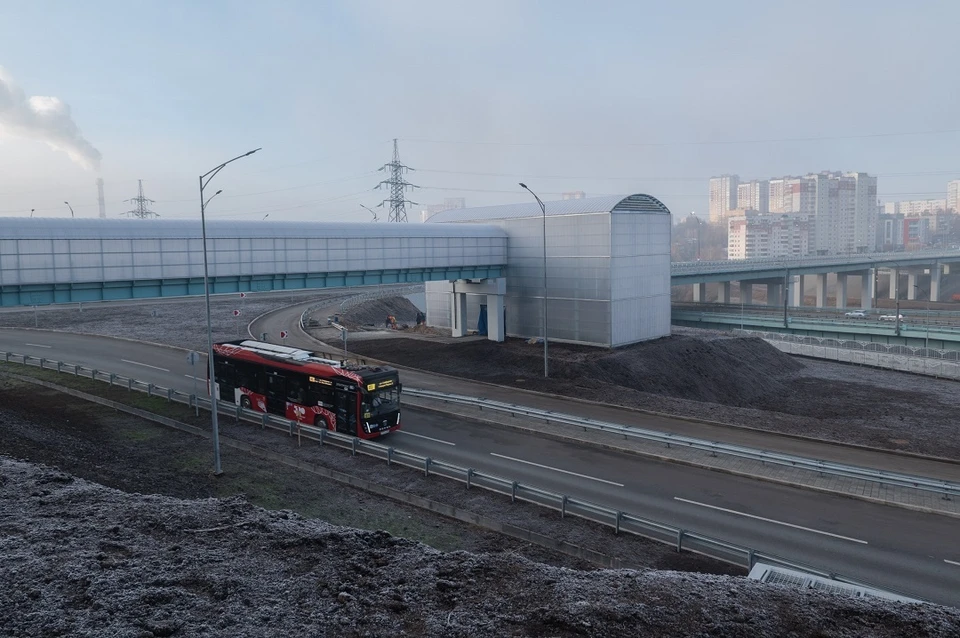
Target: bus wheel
(245, 402)
(319, 422)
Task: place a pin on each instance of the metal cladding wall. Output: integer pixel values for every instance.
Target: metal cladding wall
(608, 269)
(63, 260)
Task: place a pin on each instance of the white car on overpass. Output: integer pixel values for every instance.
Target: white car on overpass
(890, 317)
(855, 314)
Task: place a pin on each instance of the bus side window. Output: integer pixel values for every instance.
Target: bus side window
(295, 392)
(246, 377)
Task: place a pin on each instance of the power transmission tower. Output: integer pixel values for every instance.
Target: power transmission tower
(140, 203)
(398, 203)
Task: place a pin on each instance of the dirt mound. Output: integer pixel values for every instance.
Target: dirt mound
(373, 313)
(84, 560)
(733, 371)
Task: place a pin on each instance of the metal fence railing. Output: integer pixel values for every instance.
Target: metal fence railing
(943, 364)
(567, 505)
(945, 488)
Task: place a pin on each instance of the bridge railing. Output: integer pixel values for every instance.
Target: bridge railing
(773, 263)
(567, 505)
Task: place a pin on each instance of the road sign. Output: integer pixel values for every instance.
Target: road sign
(236, 313)
(283, 334)
(193, 357)
(242, 295)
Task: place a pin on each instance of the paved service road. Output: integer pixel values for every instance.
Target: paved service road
(903, 550)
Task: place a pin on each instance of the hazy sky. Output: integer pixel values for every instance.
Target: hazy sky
(603, 96)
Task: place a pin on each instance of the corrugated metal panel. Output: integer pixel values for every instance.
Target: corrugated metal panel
(638, 203)
(61, 228)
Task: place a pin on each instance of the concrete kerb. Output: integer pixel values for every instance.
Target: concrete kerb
(443, 509)
(555, 436)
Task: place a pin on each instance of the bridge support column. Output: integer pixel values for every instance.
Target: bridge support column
(723, 292)
(935, 282)
(458, 313)
(699, 293)
(841, 290)
(746, 293)
(495, 327)
(821, 290)
(868, 287)
(911, 285)
(774, 294)
(796, 291)
(894, 283)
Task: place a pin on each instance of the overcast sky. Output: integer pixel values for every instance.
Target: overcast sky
(603, 96)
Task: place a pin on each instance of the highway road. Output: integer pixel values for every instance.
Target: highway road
(907, 551)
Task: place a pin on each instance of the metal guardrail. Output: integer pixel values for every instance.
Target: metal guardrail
(619, 520)
(946, 488)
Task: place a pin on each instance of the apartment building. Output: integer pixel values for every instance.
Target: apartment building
(723, 197)
(757, 235)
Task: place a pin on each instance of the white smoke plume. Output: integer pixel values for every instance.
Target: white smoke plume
(45, 119)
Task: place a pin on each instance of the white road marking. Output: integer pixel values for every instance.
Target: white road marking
(770, 520)
(952, 562)
(37, 345)
(556, 469)
(145, 365)
(421, 436)
(190, 376)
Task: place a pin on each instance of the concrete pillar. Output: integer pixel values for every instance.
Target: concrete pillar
(911, 285)
(821, 290)
(894, 283)
(774, 294)
(723, 292)
(699, 293)
(495, 328)
(746, 293)
(868, 286)
(935, 282)
(841, 290)
(458, 313)
(796, 291)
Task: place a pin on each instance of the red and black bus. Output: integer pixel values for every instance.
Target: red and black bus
(361, 400)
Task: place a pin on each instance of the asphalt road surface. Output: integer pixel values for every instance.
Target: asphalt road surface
(907, 551)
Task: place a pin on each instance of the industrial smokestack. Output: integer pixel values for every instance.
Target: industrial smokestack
(103, 204)
(45, 119)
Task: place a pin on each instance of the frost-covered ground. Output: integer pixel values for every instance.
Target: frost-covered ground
(80, 559)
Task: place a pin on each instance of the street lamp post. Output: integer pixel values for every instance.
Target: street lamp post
(68, 206)
(543, 209)
(372, 212)
(699, 224)
(204, 181)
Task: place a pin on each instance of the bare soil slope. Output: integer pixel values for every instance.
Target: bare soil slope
(84, 560)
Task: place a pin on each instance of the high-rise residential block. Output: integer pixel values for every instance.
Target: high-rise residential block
(953, 195)
(723, 196)
(754, 195)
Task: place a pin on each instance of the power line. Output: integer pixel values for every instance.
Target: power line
(682, 143)
(397, 184)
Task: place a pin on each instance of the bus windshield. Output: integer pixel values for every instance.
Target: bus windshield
(384, 400)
